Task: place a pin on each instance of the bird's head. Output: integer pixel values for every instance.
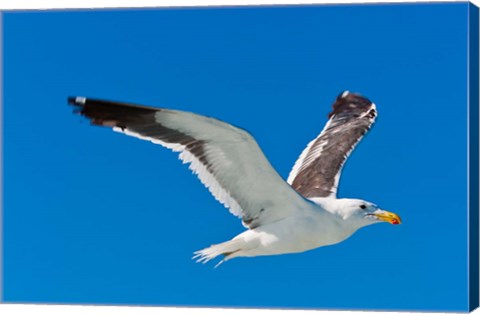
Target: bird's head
(364, 213)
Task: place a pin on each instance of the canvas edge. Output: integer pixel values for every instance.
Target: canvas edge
(473, 156)
(1, 159)
(227, 5)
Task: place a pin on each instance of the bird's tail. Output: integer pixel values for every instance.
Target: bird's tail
(229, 250)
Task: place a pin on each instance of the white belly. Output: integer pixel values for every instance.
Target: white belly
(291, 235)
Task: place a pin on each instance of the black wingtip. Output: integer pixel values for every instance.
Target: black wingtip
(343, 94)
(347, 101)
(347, 96)
(76, 101)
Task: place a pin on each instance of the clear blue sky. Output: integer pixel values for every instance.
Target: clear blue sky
(92, 216)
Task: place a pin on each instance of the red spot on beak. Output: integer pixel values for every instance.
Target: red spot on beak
(395, 222)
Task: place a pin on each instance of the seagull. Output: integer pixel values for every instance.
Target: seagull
(293, 216)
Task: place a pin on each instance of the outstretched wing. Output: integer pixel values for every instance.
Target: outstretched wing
(317, 171)
(227, 160)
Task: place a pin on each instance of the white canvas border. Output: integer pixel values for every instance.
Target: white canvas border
(52, 4)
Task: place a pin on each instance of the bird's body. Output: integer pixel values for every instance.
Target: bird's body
(292, 234)
(282, 217)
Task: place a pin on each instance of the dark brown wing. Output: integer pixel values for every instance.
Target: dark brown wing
(317, 171)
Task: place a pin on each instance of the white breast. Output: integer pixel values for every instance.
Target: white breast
(294, 234)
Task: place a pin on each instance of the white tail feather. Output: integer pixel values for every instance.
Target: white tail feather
(229, 249)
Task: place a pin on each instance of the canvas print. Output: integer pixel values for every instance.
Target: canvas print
(330, 157)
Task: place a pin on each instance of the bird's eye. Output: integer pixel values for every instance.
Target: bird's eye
(363, 206)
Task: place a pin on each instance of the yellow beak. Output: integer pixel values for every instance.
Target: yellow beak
(392, 218)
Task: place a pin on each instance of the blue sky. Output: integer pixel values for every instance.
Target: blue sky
(91, 216)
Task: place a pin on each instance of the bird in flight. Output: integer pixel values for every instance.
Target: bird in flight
(300, 214)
